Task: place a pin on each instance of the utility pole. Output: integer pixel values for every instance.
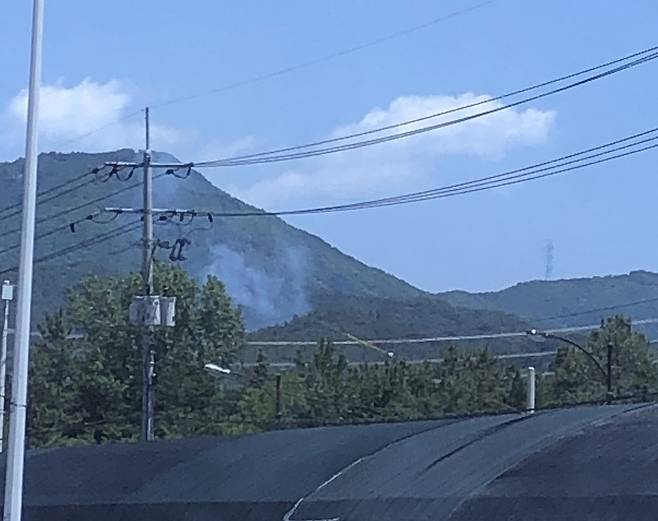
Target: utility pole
(7, 297)
(149, 310)
(13, 501)
(148, 365)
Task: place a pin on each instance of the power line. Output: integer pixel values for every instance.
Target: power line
(560, 165)
(325, 58)
(53, 197)
(277, 155)
(54, 189)
(409, 133)
(64, 227)
(516, 180)
(98, 129)
(285, 70)
(41, 236)
(109, 235)
(91, 202)
(597, 310)
(413, 361)
(427, 340)
(449, 111)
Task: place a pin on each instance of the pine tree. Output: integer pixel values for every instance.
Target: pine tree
(100, 374)
(53, 413)
(577, 378)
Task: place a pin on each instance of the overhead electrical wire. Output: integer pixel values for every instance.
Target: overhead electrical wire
(611, 307)
(270, 156)
(459, 189)
(65, 227)
(52, 197)
(327, 57)
(100, 128)
(68, 211)
(513, 174)
(85, 204)
(426, 340)
(286, 70)
(629, 145)
(109, 235)
(277, 155)
(17, 245)
(402, 135)
(52, 189)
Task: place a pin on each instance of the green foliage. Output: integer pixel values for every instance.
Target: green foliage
(91, 388)
(54, 380)
(327, 390)
(88, 389)
(374, 317)
(578, 378)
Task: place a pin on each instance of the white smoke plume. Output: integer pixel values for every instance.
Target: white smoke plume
(269, 295)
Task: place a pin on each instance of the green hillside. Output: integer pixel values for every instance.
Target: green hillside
(570, 302)
(273, 270)
(281, 275)
(339, 317)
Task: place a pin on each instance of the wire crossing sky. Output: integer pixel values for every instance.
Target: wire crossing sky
(253, 78)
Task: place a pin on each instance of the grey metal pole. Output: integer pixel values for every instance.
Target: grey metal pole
(6, 288)
(16, 452)
(531, 390)
(148, 365)
(278, 399)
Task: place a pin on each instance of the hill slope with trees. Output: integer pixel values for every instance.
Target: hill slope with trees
(87, 389)
(569, 302)
(271, 269)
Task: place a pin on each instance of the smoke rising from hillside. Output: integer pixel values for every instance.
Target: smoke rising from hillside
(268, 295)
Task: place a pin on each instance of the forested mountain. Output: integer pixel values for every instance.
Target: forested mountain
(346, 317)
(570, 302)
(277, 273)
(271, 269)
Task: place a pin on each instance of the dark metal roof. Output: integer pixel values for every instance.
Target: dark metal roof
(579, 463)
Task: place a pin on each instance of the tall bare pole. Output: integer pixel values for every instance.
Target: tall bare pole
(148, 354)
(13, 503)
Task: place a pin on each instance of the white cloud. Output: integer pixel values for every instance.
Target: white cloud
(68, 114)
(383, 168)
(216, 148)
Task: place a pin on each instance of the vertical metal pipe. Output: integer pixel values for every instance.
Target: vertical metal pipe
(16, 452)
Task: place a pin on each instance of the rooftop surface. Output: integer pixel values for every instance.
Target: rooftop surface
(597, 462)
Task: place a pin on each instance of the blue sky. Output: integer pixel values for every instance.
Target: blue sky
(104, 60)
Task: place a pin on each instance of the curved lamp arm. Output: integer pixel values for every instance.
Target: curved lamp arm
(534, 332)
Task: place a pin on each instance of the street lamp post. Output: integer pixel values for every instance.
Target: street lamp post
(606, 372)
(220, 372)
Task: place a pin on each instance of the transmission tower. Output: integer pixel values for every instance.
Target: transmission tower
(550, 251)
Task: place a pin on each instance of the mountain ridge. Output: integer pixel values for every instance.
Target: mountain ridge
(570, 302)
(275, 271)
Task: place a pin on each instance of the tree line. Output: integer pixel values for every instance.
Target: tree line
(88, 389)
